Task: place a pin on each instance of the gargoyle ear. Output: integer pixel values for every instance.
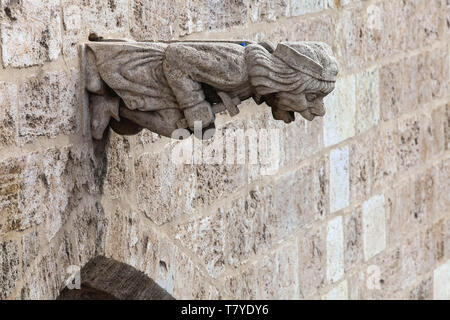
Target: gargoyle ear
(268, 46)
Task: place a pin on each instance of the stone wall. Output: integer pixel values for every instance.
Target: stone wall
(357, 208)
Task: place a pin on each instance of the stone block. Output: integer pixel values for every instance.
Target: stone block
(311, 203)
(380, 30)
(408, 143)
(353, 239)
(109, 20)
(423, 291)
(367, 100)
(8, 114)
(242, 285)
(48, 106)
(361, 167)
(20, 193)
(269, 144)
(302, 139)
(438, 72)
(119, 174)
(30, 32)
(339, 179)
(385, 160)
(340, 105)
(335, 249)
(153, 20)
(433, 140)
(268, 10)
(9, 264)
(441, 282)
(392, 84)
(30, 249)
(191, 17)
(312, 262)
(441, 185)
(250, 227)
(68, 178)
(158, 180)
(354, 37)
(316, 28)
(374, 226)
(300, 7)
(277, 275)
(339, 292)
(222, 14)
(205, 237)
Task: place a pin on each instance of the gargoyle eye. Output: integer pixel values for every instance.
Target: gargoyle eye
(311, 97)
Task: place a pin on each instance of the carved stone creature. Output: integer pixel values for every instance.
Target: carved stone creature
(168, 86)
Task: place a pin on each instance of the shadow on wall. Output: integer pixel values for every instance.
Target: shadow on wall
(107, 279)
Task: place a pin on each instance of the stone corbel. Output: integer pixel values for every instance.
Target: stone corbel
(176, 88)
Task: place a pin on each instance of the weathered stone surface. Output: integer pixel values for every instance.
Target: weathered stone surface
(30, 32)
(79, 19)
(9, 265)
(158, 179)
(277, 275)
(68, 177)
(312, 262)
(8, 114)
(385, 159)
(374, 226)
(225, 14)
(367, 100)
(339, 292)
(339, 121)
(300, 7)
(391, 90)
(381, 30)
(47, 276)
(310, 141)
(191, 17)
(265, 141)
(129, 241)
(423, 291)
(339, 179)
(30, 249)
(316, 28)
(20, 193)
(119, 175)
(153, 20)
(206, 238)
(354, 37)
(361, 167)
(409, 143)
(441, 282)
(353, 239)
(335, 249)
(48, 105)
(214, 181)
(250, 228)
(268, 10)
(311, 202)
(242, 285)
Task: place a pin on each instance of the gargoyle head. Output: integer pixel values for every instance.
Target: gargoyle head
(295, 77)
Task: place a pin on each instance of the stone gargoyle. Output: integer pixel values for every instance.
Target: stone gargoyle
(169, 86)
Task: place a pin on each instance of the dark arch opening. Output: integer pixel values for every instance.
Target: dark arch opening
(107, 279)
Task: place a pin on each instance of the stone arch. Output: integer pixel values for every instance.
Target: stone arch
(107, 279)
